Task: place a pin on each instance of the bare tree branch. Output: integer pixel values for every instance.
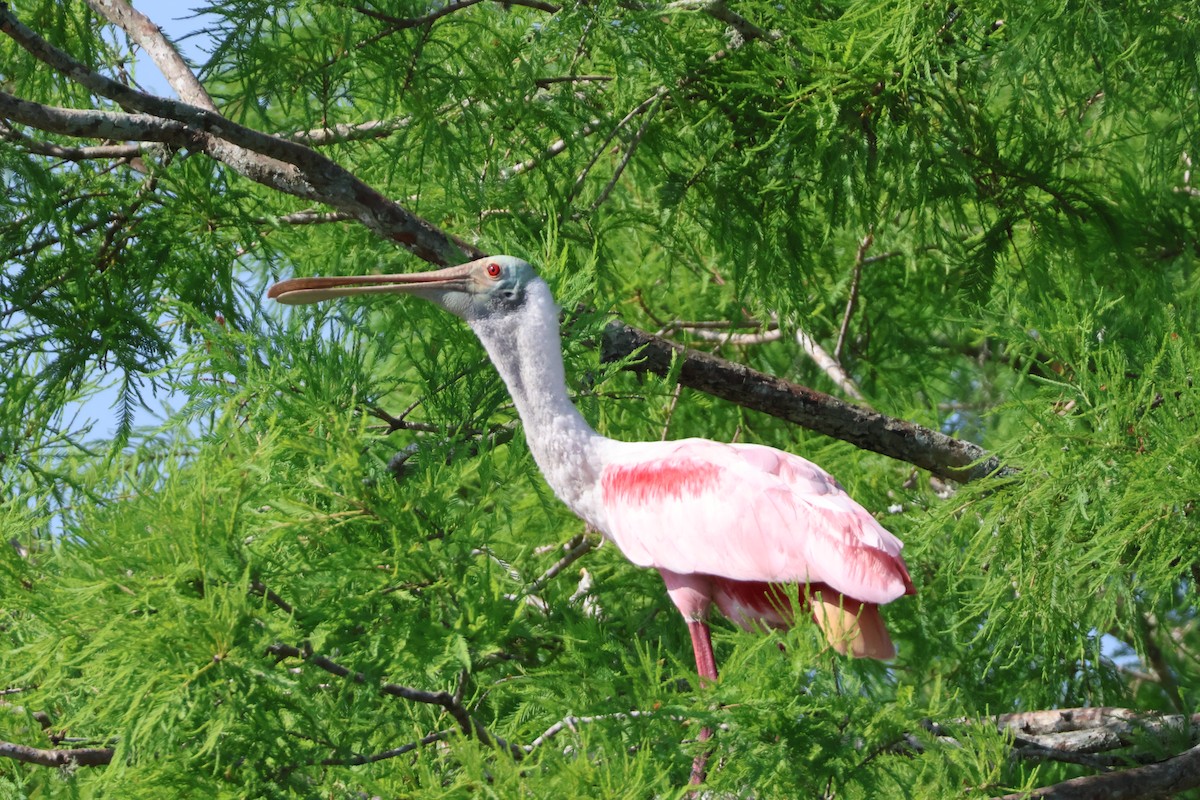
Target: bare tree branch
(1062, 720)
(53, 150)
(373, 129)
(551, 151)
(1093, 730)
(1164, 779)
(717, 9)
(272, 161)
(305, 218)
(96, 124)
(65, 758)
(829, 365)
(151, 39)
(261, 589)
(906, 441)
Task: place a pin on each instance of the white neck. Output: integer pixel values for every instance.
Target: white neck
(525, 348)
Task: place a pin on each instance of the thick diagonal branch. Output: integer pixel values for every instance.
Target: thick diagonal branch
(272, 161)
(924, 447)
(164, 54)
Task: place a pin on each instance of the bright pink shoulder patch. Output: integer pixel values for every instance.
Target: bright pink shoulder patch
(659, 480)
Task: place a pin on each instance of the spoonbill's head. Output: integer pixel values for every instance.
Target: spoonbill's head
(481, 289)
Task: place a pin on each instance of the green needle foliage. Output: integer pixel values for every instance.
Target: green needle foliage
(330, 567)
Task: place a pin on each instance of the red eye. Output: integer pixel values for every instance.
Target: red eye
(493, 270)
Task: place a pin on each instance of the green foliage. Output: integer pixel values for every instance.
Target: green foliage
(1023, 173)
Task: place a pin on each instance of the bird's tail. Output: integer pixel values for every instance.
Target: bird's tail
(852, 628)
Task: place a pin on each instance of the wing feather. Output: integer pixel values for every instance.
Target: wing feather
(747, 513)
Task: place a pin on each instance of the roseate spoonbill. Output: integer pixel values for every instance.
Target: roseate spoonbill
(731, 524)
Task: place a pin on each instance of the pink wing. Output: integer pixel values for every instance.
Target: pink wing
(747, 513)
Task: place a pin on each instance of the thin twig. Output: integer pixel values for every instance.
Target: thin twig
(554, 149)
(772, 334)
(405, 23)
(352, 761)
(638, 110)
(49, 241)
(570, 723)
(630, 149)
(717, 9)
(852, 300)
(543, 83)
(347, 132)
(712, 325)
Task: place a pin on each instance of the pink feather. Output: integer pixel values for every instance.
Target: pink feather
(734, 521)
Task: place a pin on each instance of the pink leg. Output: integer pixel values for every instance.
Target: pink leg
(706, 662)
(692, 595)
(706, 667)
